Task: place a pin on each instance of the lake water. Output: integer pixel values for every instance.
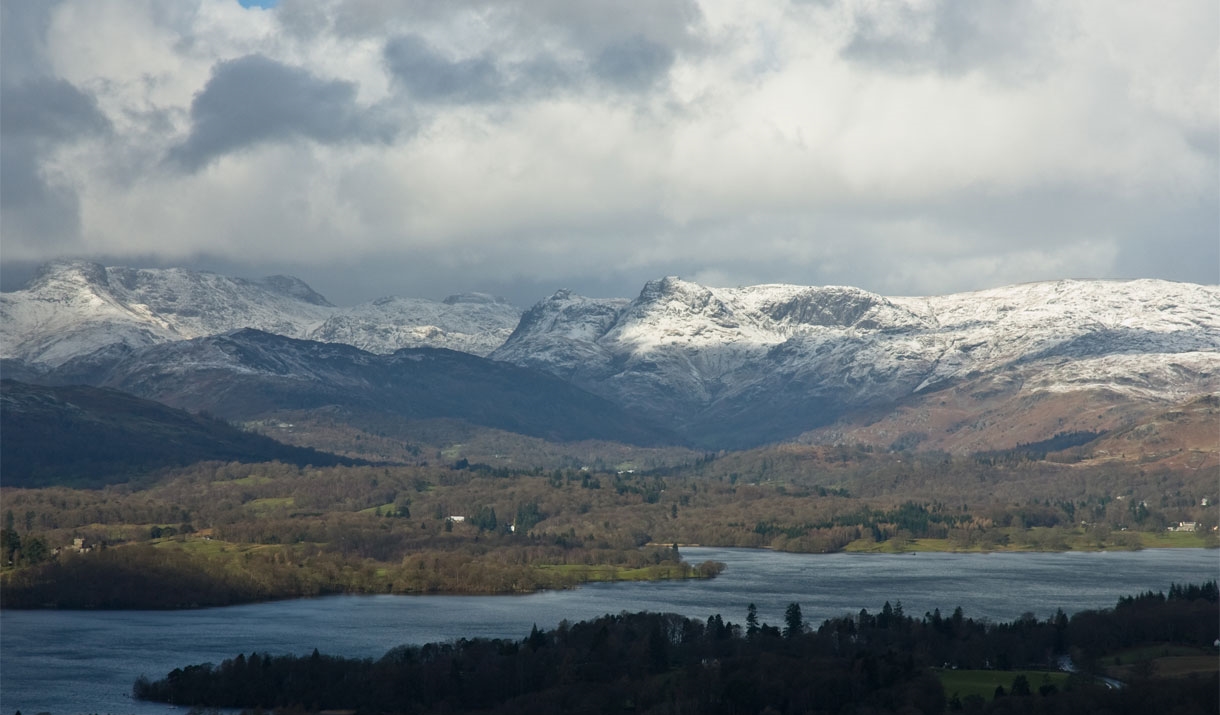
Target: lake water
(67, 662)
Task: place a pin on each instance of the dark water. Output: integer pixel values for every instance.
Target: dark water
(69, 662)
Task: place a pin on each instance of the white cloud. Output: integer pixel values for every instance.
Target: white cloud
(903, 146)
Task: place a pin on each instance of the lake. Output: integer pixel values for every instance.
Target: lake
(67, 662)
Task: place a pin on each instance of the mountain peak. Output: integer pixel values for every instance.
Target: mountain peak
(838, 306)
(670, 286)
(294, 288)
(79, 272)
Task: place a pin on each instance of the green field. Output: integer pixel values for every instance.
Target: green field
(1160, 661)
(581, 573)
(964, 683)
(1177, 539)
(1039, 539)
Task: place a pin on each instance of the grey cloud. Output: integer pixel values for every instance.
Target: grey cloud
(23, 29)
(590, 23)
(608, 23)
(634, 64)
(255, 99)
(36, 117)
(946, 36)
(34, 211)
(542, 75)
(428, 76)
(51, 109)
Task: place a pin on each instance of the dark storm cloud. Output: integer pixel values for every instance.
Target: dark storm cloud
(254, 99)
(949, 37)
(634, 64)
(36, 117)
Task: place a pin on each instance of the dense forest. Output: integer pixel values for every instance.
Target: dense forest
(883, 662)
(242, 532)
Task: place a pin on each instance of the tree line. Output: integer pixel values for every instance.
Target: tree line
(286, 530)
(664, 663)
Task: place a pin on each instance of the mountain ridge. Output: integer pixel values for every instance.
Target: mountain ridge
(721, 367)
(93, 436)
(247, 374)
(80, 310)
(734, 359)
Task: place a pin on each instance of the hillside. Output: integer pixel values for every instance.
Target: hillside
(249, 374)
(86, 436)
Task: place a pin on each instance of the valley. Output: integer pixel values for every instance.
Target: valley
(255, 531)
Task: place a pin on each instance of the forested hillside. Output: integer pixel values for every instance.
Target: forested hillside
(273, 530)
(89, 437)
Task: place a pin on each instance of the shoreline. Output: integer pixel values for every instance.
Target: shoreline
(693, 571)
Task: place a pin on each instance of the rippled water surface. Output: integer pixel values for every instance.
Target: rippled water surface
(85, 661)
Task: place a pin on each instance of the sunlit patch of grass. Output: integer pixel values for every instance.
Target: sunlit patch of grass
(906, 546)
(581, 573)
(1020, 540)
(212, 547)
(269, 504)
(1177, 539)
(379, 509)
(868, 546)
(252, 480)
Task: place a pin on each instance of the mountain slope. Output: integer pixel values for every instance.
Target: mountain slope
(723, 368)
(75, 309)
(248, 373)
(86, 436)
(736, 367)
(473, 323)
(90, 315)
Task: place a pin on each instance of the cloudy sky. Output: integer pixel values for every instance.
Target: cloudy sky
(377, 147)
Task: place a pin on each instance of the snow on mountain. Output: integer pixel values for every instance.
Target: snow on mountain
(734, 361)
(563, 331)
(80, 311)
(471, 322)
(723, 366)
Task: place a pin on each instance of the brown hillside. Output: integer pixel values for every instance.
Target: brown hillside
(986, 414)
(1186, 437)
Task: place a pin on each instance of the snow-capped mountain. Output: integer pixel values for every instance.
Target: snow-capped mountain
(74, 309)
(87, 313)
(722, 367)
(474, 323)
(762, 363)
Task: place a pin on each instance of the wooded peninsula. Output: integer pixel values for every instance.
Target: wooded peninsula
(664, 664)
